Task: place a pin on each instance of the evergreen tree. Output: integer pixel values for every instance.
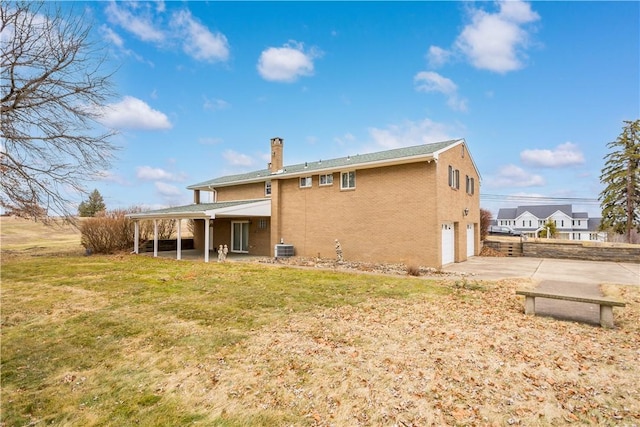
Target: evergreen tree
(92, 206)
(620, 199)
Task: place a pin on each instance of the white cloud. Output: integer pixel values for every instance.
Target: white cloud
(567, 154)
(429, 81)
(215, 104)
(495, 41)
(209, 140)
(109, 176)
(437, 56)
(168, 190)
(150, 24)
(409, 133)
(133, 113)
(111, 36)
(347, 138)
(147, 173)
(140, 24)
(198, 41)
(514, 176)
(237, 159)
(286, 63)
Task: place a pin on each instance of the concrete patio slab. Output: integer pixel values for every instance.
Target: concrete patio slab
(539, 269)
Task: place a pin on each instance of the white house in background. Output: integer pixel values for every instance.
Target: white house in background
(570, 225)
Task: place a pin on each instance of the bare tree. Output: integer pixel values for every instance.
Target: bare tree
(52, 88)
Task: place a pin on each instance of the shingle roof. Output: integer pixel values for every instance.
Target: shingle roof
(545, 211)
(507, 213)
(192, 208)
(593, 224)
(539, 211)
(342, 162)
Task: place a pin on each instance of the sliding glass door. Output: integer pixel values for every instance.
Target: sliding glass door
(240, 236)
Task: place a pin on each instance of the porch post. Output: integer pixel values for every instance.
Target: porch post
(136, 236)
(179, 255)
(206, 240)
(155, 237)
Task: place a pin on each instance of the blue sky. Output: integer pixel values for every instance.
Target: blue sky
(537, 89)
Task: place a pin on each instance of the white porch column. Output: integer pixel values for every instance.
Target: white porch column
(155, 237)
(136, 236)
(206, 240)
(179, 249)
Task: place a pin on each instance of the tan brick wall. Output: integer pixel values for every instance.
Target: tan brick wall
(241, 192)
(388, 217)
(394, 214)
(453, 202)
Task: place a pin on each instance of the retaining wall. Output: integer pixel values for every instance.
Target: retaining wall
(590, 251)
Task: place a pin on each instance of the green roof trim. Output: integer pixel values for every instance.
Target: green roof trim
(342, 162)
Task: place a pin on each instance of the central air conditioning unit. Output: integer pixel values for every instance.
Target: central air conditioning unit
(282, 250)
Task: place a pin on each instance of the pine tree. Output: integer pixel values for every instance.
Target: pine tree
(620, 199)
(94, 205)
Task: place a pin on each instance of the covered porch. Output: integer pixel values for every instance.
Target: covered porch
(199, 255)
(243, 226)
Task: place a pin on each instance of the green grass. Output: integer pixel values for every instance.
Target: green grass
(90, 340)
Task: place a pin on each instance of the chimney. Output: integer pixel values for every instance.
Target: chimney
(276, 155)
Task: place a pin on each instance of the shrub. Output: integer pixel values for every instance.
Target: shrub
(107, 232)
(412, 270)
(485, 222)
(111, 231)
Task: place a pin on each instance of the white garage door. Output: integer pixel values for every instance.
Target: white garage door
(470, 240)
(448, 247)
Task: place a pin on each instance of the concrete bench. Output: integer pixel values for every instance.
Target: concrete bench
(606, 304)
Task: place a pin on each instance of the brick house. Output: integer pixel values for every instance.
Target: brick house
(416, 205)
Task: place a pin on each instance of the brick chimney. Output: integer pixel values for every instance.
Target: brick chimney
(276, 155)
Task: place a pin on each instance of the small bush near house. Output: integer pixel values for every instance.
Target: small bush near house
(107, 232)
(412, 270)
(110, 232)
(485, 222)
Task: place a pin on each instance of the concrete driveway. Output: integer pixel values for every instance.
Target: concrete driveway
(543, 269)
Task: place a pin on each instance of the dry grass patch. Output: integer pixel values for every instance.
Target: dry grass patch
(124, 340)
(469, 358)
(24, 237)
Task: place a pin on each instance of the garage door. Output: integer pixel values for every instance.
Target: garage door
(470, 240)
(448, 248)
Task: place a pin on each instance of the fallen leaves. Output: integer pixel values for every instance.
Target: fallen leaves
(470, 358)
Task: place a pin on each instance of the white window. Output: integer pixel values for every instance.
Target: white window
(305, 182)
(347, 180)
(326, 179)
(470, 185)
(454, 178)
(267, 188)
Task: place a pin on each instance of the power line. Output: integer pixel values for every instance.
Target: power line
(539, 199)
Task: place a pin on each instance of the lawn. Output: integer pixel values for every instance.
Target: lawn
(133, 340)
